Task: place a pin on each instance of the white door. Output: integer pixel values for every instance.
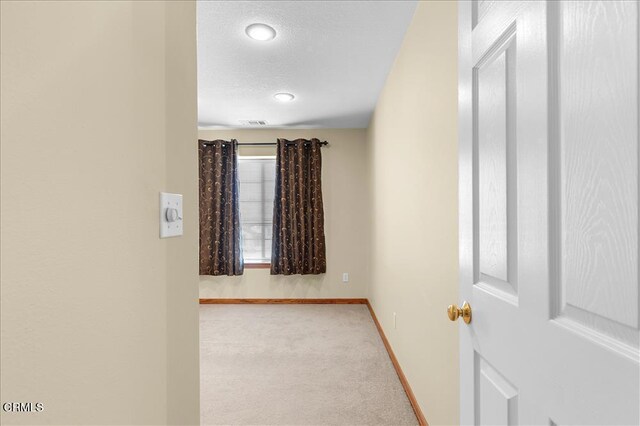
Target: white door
(549, 212)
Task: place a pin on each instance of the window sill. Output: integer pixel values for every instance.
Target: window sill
(257, 266)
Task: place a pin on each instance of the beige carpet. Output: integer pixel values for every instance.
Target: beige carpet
(296, 365)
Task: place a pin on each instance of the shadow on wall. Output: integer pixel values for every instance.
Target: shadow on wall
(335, 121)
(260, 281)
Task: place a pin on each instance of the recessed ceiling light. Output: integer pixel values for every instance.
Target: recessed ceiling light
(262, 32)
(284, 97)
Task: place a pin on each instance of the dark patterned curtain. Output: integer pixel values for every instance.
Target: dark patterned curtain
(298, 214)
(220, 234)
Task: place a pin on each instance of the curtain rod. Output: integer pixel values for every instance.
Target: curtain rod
(265, 143)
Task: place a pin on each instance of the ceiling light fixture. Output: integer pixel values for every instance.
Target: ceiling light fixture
(261, 32)
(284, 97)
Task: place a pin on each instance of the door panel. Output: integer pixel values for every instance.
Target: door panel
(497, 398)
(492, 152)
(548, 113)
(596, 157)
(496, 188)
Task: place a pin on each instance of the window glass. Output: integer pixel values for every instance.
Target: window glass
(257, 187)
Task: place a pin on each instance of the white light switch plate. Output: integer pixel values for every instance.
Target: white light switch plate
(170, 215)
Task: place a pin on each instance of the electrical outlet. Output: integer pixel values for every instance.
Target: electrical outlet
(345, 277)
(394, 320)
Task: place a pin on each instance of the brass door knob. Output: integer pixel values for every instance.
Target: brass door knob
(455, 312)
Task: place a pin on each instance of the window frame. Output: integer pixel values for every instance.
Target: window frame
(254, 264)
(257, 265)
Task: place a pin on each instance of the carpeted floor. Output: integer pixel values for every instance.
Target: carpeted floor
(296, 365)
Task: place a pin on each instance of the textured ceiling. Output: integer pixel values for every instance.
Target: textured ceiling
(334, 56)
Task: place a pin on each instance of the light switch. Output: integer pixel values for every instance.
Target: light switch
(170, 215)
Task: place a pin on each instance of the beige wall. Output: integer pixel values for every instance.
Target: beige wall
(99, 316)
(344, 179)
(413, 161)
(181, 265)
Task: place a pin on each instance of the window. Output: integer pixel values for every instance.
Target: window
(257, 177)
